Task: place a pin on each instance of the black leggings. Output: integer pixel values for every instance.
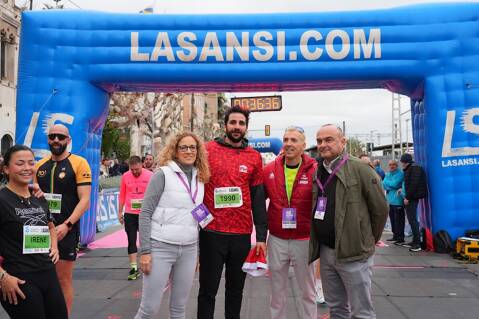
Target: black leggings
(44, 297)
(131, 229)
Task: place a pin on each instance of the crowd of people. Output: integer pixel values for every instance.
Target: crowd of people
(196, 208)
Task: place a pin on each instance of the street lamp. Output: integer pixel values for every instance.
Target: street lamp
(407, 135)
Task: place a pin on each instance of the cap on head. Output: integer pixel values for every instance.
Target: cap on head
(406, 158)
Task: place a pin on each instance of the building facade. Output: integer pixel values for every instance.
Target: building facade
(9, 41)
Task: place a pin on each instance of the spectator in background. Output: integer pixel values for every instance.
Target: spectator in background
(104, 167)
(124, 167)
(148, 162)
(415, 188)
(114, 169)
(378, 169)
(392, 183)
(365, 158)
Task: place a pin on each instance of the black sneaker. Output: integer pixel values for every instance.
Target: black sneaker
(391, 239)
(399, 242)
(134, 274)
(415, 248)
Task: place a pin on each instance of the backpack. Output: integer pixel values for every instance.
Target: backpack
(443, 242)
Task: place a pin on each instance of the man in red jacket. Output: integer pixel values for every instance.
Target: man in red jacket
(288, 184)
(235, 198)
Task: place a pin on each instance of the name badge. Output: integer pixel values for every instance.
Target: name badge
(320, 208)
(54, 202)
(289, 218)
(135, 204)
(226, 197)
(202, 215)
(36, 239)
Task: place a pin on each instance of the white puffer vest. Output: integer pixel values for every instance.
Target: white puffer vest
(172, 221)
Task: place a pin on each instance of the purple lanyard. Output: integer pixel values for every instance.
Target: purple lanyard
(193, 196)
(333, 173)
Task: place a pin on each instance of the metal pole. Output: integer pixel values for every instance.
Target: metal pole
(153, 132)
(31, 5)
(407, 135)
(192, 110)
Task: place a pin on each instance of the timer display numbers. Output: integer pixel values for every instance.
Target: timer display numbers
(258, 103)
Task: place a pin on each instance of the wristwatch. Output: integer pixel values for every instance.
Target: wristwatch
(69, 224)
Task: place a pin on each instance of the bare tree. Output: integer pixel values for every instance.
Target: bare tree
(156, 115)
(212, 125)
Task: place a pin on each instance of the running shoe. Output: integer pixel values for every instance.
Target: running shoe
(408, 244)
(415, 248)
(134, 274)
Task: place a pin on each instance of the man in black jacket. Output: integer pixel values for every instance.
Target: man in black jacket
(415, 187)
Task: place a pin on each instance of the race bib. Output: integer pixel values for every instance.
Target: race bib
(54, 202)
(136, 204)
(289, 218)
(202, 215)
(226, 197)
(36, 239)
(320, 208)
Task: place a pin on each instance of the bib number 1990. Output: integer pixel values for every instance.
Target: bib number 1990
(226, 197)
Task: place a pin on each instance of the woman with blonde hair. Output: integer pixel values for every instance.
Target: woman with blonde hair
(171, 211)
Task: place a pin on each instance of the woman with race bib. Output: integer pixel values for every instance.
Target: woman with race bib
(29, 284)
(170, 215)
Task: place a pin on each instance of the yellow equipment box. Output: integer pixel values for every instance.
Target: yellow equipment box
(468, 246)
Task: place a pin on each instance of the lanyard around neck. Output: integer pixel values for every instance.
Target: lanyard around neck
(333, 173)
(193, 196)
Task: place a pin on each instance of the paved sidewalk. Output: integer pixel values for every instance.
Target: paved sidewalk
(405, 285)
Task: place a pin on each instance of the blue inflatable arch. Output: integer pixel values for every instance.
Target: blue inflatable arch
(70, 61)
(266, 144)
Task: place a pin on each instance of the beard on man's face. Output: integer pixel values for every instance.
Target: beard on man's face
(234, 139)
(57, 148)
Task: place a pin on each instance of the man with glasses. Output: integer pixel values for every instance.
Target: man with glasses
(65, 179)
(349, 213)
(288, 184)
(132, 190)
(392, 183)
(234, 192)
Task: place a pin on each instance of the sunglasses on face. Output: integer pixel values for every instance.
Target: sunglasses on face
(60, 137)
(297, 128)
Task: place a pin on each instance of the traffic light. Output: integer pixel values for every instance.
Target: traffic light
(267, 130)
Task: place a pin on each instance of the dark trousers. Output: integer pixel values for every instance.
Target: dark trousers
(131, 229)
(44, 297)
(411, 213)
(397, 218)
(217, 250)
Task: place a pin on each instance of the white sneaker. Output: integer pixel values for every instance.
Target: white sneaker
(319, 293)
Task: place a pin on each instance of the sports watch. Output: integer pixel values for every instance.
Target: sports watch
(69, 224)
